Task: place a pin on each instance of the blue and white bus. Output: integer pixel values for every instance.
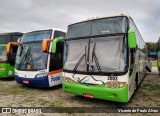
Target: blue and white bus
(39, 58)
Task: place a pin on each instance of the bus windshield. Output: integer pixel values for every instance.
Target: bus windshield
(3, 53)
(97, 54)
(29, 54)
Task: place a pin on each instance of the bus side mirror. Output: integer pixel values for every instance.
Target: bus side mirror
(11, 50)
(9, 46)
(131, 38)
(45, 44)
(54, 43)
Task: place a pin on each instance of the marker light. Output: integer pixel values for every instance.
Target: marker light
(67, 79)
(115, 84)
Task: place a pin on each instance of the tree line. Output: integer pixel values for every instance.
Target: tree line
(152, 46)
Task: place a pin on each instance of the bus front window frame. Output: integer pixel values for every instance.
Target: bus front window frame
(99, 36)
(30, 39)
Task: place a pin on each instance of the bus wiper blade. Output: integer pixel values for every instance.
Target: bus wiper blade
(78, 63)
(95, 59)
(80, 60)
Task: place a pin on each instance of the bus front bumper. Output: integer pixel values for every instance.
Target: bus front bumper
(33, 82)
(97, 91)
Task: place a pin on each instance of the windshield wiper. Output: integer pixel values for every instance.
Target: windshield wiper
(79, 61)
(95, 59)
(24, 58)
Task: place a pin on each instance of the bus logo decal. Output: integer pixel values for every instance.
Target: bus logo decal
(57, 78)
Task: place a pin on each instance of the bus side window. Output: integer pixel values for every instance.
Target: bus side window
(59, 34)
(56, 59)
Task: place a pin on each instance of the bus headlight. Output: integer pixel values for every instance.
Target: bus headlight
(41, 75)
(15, 73)
(67, 79)
(115, 84)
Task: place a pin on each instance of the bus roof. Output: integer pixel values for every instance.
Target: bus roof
(94, 18)
(11, 33)
(53, 29)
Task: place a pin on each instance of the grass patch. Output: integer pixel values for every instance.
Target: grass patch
(153, 87)
(56, 103)
(154, 64)
(148, 91)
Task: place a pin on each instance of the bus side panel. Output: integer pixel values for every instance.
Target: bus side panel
(158, 62)
(133, 75)
(55, 79)
(6, 70)
(139, 68)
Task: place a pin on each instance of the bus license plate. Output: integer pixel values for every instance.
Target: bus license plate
(25, 81)
(88, 95)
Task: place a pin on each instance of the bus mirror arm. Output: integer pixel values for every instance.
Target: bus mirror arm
(132, 39)
(9, 46)
(54, 43)
(45, 44)
(11, 49)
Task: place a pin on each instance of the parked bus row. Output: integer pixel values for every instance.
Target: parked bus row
(103, 58)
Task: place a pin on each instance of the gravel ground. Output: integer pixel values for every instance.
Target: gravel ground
(15, 95)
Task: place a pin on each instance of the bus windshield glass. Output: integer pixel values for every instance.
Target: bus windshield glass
(30, 57)
(29, 54)
(97, 54)
(102, 26)
(35, 36)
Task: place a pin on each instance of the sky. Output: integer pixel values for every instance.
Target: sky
(29, 15)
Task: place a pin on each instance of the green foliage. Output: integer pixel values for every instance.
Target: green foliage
(154, 64)
(152, 46)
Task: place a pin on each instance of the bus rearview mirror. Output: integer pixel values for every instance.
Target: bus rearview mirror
(54, 43)
(45, 44)
(131, 38)
(9, 46)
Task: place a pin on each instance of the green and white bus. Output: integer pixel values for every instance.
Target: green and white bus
(158, 55)
(105, 58)
(7, 62)
(39, 58)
